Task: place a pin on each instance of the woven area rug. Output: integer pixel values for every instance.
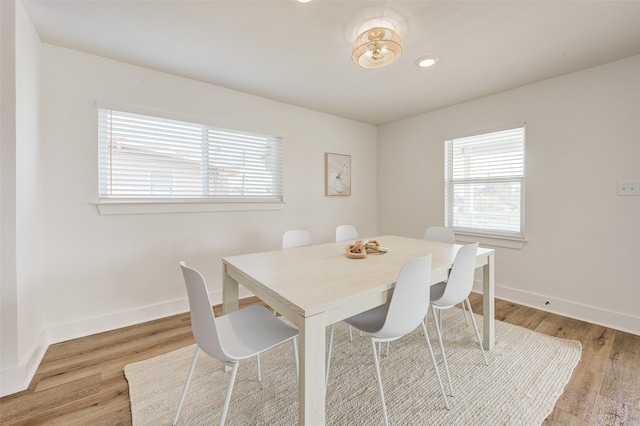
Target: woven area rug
(527, 373)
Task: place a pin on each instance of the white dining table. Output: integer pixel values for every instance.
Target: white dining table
(318, 285)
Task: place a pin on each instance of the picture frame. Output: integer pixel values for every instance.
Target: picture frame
(337, 172)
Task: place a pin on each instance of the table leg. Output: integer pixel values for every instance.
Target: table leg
(230, 297)
(230, 292)
(488, 305)
(311, 391)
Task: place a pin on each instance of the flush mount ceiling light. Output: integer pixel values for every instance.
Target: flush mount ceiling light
(427, 61)
(376, 47)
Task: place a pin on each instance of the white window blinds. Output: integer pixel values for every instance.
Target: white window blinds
(149, 158)
(484, 183)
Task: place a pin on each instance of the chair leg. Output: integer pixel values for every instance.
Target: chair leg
(227, 399)
(259, 371)
(475, 328)
(295, 357)
(464, 312)
(350, 334)
(326, 373)
(444, 355)
(186, 385)
(379, 377)
(435, 366)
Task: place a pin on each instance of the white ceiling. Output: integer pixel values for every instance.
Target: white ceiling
(301, 53)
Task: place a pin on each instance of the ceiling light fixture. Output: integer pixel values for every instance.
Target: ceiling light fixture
(376, 47)
(427, 61)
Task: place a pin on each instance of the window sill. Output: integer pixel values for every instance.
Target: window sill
(155, 207)
(491, 241)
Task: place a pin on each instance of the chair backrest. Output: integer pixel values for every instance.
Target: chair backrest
(346, 233)
(296, 238)
(441, 234)
(203, 321)
(460, 280)
(410, 300)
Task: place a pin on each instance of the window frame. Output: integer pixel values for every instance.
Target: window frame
(450, 182)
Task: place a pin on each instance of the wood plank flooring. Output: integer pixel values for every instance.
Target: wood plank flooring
(81, 381)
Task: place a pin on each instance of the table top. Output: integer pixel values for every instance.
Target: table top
(321, 278)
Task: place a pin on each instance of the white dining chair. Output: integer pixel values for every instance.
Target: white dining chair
(441, 234)
(232, 337)
(405, 312)
(444, 235)
(456, 290)
(346, 233)
(296, 238)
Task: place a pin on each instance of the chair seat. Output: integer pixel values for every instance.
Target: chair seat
(252, 330)
(369, 321)
(437, 290)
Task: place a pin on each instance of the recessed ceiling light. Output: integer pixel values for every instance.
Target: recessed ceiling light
(303, 1)
(427, 61)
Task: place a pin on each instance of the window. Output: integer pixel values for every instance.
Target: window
(484, 183)
(144, 158)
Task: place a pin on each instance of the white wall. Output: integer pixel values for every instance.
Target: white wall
(23, 339)
(8, 282)
(29, 192)
(105, 272)
(582, 137)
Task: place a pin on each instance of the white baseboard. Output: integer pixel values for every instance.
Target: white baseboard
(89, 326)
(567, 308)
(17, 378)
(14, 380)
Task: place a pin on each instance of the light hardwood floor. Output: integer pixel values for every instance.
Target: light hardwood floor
(81, 381)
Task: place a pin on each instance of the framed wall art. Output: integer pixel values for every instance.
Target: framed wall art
(337, 174)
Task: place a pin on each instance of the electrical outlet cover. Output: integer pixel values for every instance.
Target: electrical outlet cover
(628, 188)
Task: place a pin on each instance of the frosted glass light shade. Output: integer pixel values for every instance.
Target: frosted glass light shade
(376, 48)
